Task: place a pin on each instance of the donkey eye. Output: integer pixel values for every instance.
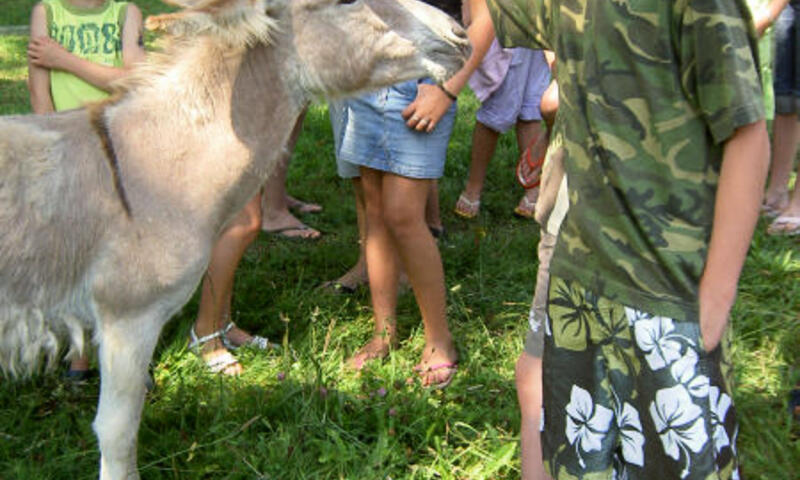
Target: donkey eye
(346, 2)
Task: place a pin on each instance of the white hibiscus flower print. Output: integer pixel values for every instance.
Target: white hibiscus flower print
(635, 315)
(720, 402)
(684, 371)
(679, 423)
(541, 421)
(630, 431)
(654, 336)
(547, 330)
(587, 423)
(533, 321)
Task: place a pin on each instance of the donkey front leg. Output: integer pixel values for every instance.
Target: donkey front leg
(126, 347)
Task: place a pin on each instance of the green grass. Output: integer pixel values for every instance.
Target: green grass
(18, 12)
(323, 421)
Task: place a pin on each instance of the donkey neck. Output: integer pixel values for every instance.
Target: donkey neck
(209, 129)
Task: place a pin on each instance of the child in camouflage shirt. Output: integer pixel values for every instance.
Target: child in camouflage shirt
(666, 150)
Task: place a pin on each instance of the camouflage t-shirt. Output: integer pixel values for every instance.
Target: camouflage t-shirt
(649, 92)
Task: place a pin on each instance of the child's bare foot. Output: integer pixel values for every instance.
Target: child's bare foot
(303, 207)
(527, 204)
(287, 225)
(774, 203)
(467, 206)
(377, 348)
(350, 281)
(214, 354)
(219, 360)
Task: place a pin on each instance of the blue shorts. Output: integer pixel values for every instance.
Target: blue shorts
(520, 94)
(787, 60)
(370, 132)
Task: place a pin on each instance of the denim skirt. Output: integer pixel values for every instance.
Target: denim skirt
(371, 132)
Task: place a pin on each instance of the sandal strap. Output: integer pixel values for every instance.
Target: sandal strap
(195, 341)
(263, 343)
(540, 145)
(259, 342)
(470, 203)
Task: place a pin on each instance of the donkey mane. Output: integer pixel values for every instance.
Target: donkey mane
(231, 25)
(108, 215)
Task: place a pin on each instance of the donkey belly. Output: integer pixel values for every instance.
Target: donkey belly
(45, 302)
(53, 215)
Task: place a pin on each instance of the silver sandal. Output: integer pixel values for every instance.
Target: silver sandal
(258, 342)
(218, 363)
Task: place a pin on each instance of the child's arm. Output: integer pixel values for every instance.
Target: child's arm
(432, 102)
(481, 35)
(736, 209)
(46, 53)
(39, 77)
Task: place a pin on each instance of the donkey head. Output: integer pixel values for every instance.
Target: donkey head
(346, 46)
(336, 46)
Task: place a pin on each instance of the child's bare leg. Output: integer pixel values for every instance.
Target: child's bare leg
(357, 275)
(788, 221)
(786, 135)
(527, 132)
(79, 365)
(432, 212)
(403, 204)
(217, 287)
(382, 270)
(529, 394)
(484, 143)
(276, 202)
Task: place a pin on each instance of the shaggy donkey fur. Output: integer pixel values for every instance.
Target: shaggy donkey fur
(108, 215)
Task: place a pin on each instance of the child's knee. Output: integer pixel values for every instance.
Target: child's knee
(246, 225)
(549, 103)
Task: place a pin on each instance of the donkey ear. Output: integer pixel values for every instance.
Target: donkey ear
(216, 6)
(209, 6)
(172, 22)
(162, 23)
(237, 21)
(181, 3)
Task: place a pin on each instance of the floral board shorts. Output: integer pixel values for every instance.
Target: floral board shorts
(632, 395)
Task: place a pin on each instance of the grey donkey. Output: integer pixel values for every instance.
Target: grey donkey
(108, 214)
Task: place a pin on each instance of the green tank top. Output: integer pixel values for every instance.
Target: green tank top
(94, 34)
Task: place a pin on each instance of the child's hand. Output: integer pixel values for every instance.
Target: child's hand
(762, 19)
(714, 314)
(427, 109)
(46, 53)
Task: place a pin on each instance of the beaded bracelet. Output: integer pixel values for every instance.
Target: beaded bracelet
(446, 92)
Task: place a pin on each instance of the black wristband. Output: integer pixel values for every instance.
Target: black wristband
(446, 92)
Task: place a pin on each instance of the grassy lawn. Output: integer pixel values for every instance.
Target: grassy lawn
(301, 414)
(18, 12)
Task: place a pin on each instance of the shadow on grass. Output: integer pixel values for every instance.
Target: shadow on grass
(271, 425)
